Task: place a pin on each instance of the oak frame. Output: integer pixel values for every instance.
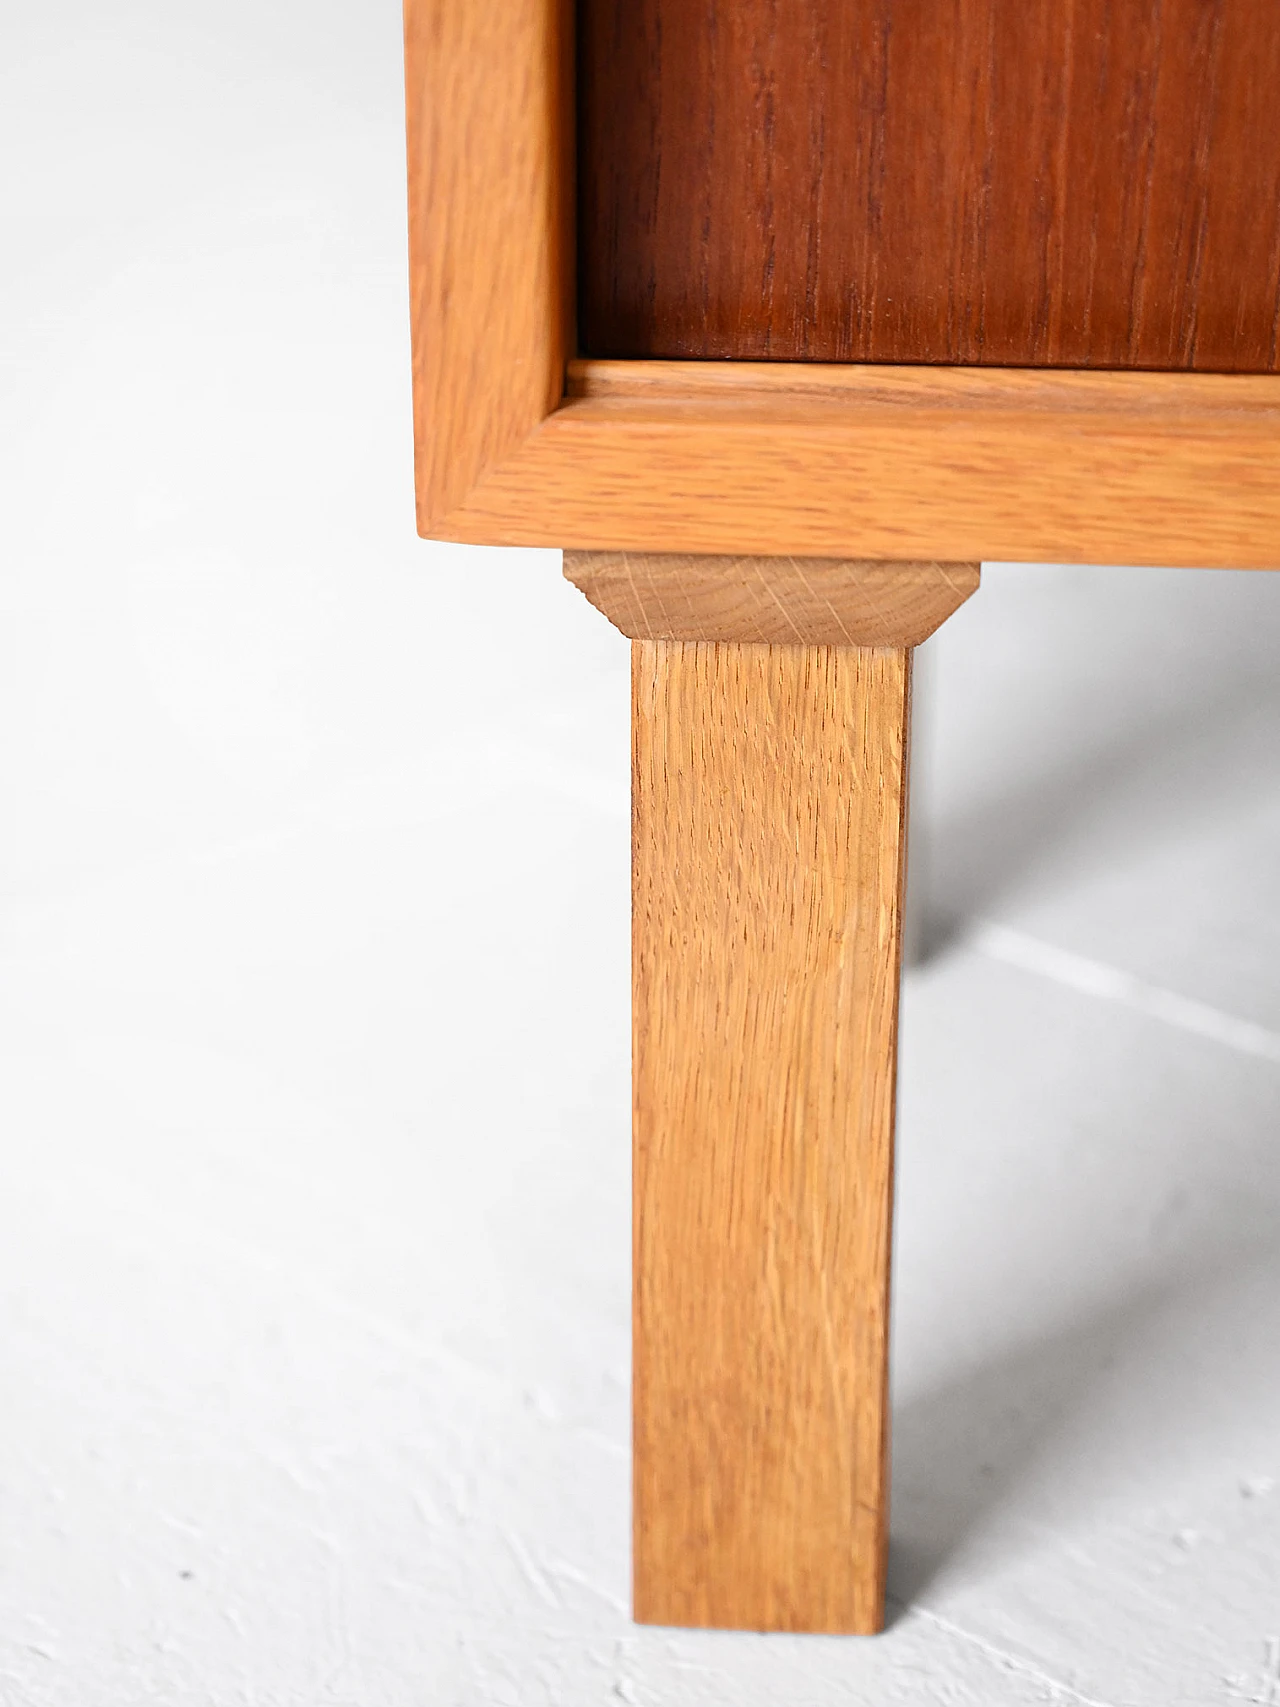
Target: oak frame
(517, 443)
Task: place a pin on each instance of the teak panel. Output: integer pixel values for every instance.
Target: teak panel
(769, 799)
(1081, 183)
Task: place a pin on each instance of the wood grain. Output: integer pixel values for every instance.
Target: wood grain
(489, 119)
(769, 798)
(1083, 183)
(948, 464)
(779, 458)
(806, 601)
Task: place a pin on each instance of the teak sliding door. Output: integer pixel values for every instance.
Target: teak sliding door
(1069, 183)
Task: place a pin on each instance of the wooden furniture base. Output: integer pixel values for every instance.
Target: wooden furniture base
(1065, 185)
(769, 824)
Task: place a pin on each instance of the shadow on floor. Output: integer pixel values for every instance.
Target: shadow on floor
(1113, 1410)
(1144, 733)
(960, 1452)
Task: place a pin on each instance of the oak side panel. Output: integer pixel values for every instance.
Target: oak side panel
(1080, 183)
(769, 796)
(489, 115)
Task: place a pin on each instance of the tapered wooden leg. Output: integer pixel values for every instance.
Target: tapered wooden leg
(770, 712)
(769, 817)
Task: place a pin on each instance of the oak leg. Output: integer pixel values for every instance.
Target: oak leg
(770, 712)
(769, 844)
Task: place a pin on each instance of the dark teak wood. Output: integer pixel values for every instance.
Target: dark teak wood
(1084, 183)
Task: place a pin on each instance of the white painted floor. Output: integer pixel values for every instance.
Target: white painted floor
(313, 983)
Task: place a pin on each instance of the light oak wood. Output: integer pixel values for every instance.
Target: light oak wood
(489, 120)
(769, 817)
(927, 463)
(814, 601)
(947, 464)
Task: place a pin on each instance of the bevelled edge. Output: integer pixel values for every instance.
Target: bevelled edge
(799, 601)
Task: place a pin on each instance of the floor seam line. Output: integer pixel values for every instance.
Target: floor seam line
(1108, 983)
